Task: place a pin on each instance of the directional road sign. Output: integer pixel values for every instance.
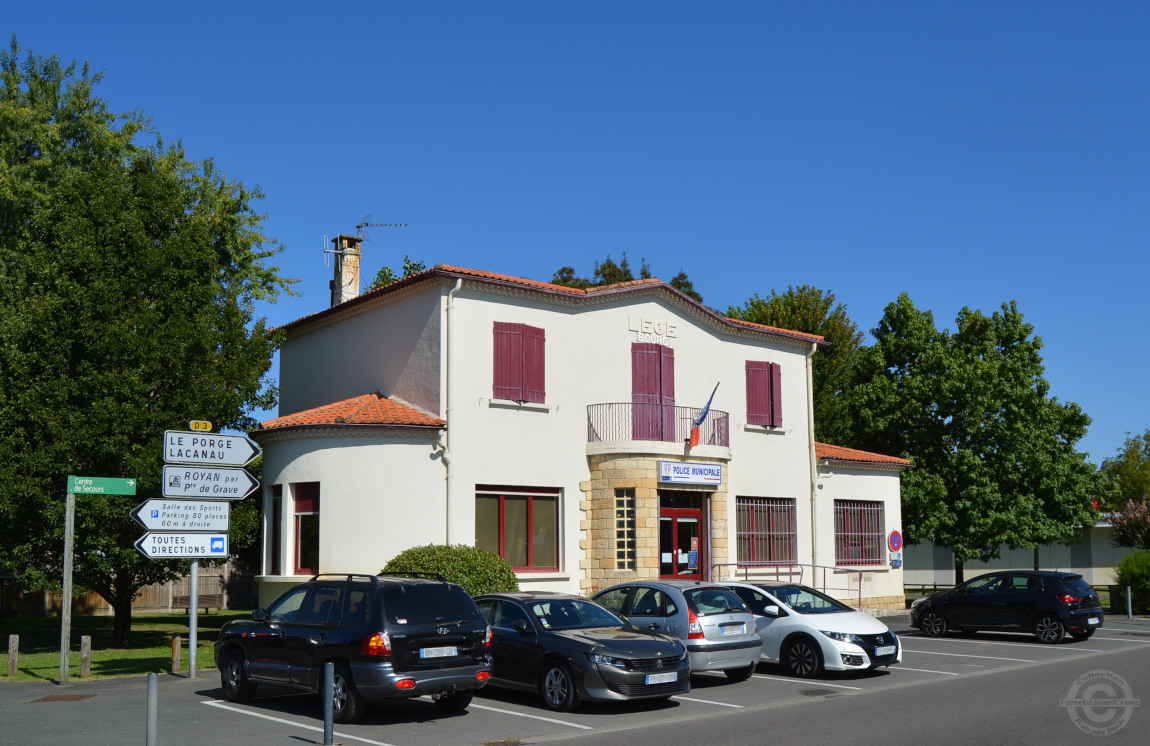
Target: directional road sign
(182, 545)
(188, 447)
(216, 482)
(183, 515)
(101, 486)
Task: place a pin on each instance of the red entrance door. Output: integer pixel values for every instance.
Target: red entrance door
(680, 543)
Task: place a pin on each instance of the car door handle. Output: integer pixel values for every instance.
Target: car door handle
(653, 625)
(320, 637)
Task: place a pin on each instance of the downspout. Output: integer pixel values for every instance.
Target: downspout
(445, 435)
(813, 461)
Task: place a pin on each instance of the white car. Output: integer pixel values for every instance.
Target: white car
(808, 631)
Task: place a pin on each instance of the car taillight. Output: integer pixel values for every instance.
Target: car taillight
(488, 637)
(1069, 599)
(405, 684)
(694, 629)
(483, 676)
(377, 644)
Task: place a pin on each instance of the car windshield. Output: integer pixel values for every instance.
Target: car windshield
(806, 600)
(706, 601)
(572, 614)
(428, 603)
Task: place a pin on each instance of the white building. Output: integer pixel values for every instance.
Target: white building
(550, 425)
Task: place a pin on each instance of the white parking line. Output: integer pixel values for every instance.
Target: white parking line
(962, 655)
(1032, 646)
(474, 706)
(706, 702)
(344, 736)
(805, 681)
(923, 670)
(1118, 639)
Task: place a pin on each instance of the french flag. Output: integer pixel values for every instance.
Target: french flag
(698, 421)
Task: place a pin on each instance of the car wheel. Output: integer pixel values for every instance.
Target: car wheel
(1049, 630)
(803, 658)
(740, 674)
(557, 687)
(454, 701)
(933, 624)
(346, 703)
(234, 680)
(1085, 634)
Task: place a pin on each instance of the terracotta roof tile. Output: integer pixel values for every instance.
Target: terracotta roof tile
(839, 453)
(369, 409)
(511, 279)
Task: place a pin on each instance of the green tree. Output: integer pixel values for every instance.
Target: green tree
(808, 309)
(994, 454)
(386, 275)
(608, 272)
(128, 277)
(1129, 471)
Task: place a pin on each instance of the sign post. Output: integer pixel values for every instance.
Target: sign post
(81, 486)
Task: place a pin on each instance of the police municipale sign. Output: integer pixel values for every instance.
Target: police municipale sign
(187, 447)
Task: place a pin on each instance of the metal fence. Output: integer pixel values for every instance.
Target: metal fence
(624, 421)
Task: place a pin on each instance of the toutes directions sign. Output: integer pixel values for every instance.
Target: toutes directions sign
(174, 545)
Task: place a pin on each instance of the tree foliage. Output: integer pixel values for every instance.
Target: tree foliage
(808, 309)
(608, 272)
(1129, 471)
(386, 275)
(1131, 525)
(994, 453)
(128, 277)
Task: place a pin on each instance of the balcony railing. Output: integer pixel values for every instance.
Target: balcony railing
(659, 422)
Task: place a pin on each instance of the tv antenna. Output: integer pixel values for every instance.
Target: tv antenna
(366, 223)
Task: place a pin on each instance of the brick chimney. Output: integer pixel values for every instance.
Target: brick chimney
(345, 284)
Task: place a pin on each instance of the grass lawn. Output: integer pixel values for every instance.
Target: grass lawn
(150, 652)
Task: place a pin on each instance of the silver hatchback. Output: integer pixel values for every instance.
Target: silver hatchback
(715, 625)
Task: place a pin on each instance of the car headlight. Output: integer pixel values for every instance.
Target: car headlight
(607, 660)
(842, 636)
(915, 604)
(683, 657)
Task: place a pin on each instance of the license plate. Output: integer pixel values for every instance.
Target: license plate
(1092, 620)
(885, 650)
(445, 652)
(732, 629)
(662, 678)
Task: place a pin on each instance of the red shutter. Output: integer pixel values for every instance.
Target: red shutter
(508, 359)
(667, 391)
(534, 369)
(645, 391)
(776, 396)
(758, 393)
(306, 497)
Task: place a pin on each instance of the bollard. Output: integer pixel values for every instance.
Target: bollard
(85, 656)
(328, 693)
(177, 645)
(13, 653)
(1129, 603)
(153, 706)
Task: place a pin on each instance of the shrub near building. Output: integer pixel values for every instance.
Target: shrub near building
(477, 570)
(1134, 571)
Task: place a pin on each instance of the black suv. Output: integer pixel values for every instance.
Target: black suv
(389, 636)
(1049, 604)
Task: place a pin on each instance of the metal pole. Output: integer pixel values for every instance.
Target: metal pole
(153, 707)
(66, 601)
(328, 693)
(1129, 604)
(193, 617)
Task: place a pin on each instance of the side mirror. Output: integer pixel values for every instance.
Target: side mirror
(771, 610)
(258, 615)
(625, 619)
(522, 627)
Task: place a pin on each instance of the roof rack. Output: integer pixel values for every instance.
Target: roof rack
(346, 577)
(417, 575)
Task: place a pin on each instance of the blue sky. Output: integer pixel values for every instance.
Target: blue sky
(968, 154)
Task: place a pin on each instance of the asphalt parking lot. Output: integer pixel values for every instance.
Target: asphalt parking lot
(114, 711)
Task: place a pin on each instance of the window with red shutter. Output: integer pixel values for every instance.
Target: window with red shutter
(764, 394)
(652, 392)
(519, 363)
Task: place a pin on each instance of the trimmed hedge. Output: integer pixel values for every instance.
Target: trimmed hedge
(477, 570)
(1133, 570)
